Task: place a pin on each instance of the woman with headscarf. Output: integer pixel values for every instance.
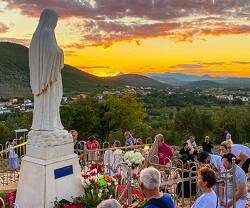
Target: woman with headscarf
(161, 153)
(46, 61)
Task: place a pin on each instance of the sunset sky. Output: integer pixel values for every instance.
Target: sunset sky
(108, 37)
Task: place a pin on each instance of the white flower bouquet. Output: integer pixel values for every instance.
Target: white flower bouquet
(133, 159)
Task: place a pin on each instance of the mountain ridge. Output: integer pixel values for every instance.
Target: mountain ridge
(14, 79)
(179, 79)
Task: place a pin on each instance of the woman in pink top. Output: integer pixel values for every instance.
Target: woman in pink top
(160, 152)
(92, 144)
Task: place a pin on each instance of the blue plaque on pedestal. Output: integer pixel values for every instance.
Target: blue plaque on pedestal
(61, 172)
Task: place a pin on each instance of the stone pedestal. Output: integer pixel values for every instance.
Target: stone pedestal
(49, 170)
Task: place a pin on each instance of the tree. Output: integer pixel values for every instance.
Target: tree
(124, 112)
(82, 116)
(5, 133)
(229, 118)
(192, 121)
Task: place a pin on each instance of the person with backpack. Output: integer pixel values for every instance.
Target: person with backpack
(150, 180)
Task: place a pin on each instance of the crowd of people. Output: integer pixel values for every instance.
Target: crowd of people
(209, 161)
(162, 153)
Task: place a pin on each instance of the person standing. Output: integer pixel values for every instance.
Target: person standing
(13, 158)
(109, 160)
(192, 145)
(160, 151)
(78, 146)
(130, 140)
(207, 145)
(227, 135)
(92, 146)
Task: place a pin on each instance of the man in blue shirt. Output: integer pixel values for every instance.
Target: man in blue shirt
(150, 180)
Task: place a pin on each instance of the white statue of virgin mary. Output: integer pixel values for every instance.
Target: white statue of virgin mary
(46, 61)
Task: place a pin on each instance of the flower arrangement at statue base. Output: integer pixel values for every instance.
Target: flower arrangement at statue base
(99, 186)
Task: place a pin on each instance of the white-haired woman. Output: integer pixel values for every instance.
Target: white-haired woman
(150, 180)
(109, 203)
(161, 153)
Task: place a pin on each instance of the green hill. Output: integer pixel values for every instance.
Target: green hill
(14, 75)
(14, 71)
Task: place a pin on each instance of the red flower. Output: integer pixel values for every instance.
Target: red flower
(99, 167)
(11, 197)
(137, 193)
(72, 206)
(118, 177)
(1, 203)
(135, 176)
(120, 187)
(93, 172)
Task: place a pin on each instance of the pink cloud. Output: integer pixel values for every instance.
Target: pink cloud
(105, 22)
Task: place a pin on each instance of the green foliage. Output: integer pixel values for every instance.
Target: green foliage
(116, 135)
(110, 118)
(191, 121)
(125, 112)
(82, 116)
(5, 133)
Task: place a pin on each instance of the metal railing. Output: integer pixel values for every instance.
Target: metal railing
(178, 179)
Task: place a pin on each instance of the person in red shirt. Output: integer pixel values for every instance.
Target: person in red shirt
(161, 152)
(92, 145)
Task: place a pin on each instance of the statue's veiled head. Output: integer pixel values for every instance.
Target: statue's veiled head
(48, 18)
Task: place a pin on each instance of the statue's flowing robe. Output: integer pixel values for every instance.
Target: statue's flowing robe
(46, 61)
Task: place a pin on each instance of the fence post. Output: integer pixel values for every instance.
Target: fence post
(129, 185)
